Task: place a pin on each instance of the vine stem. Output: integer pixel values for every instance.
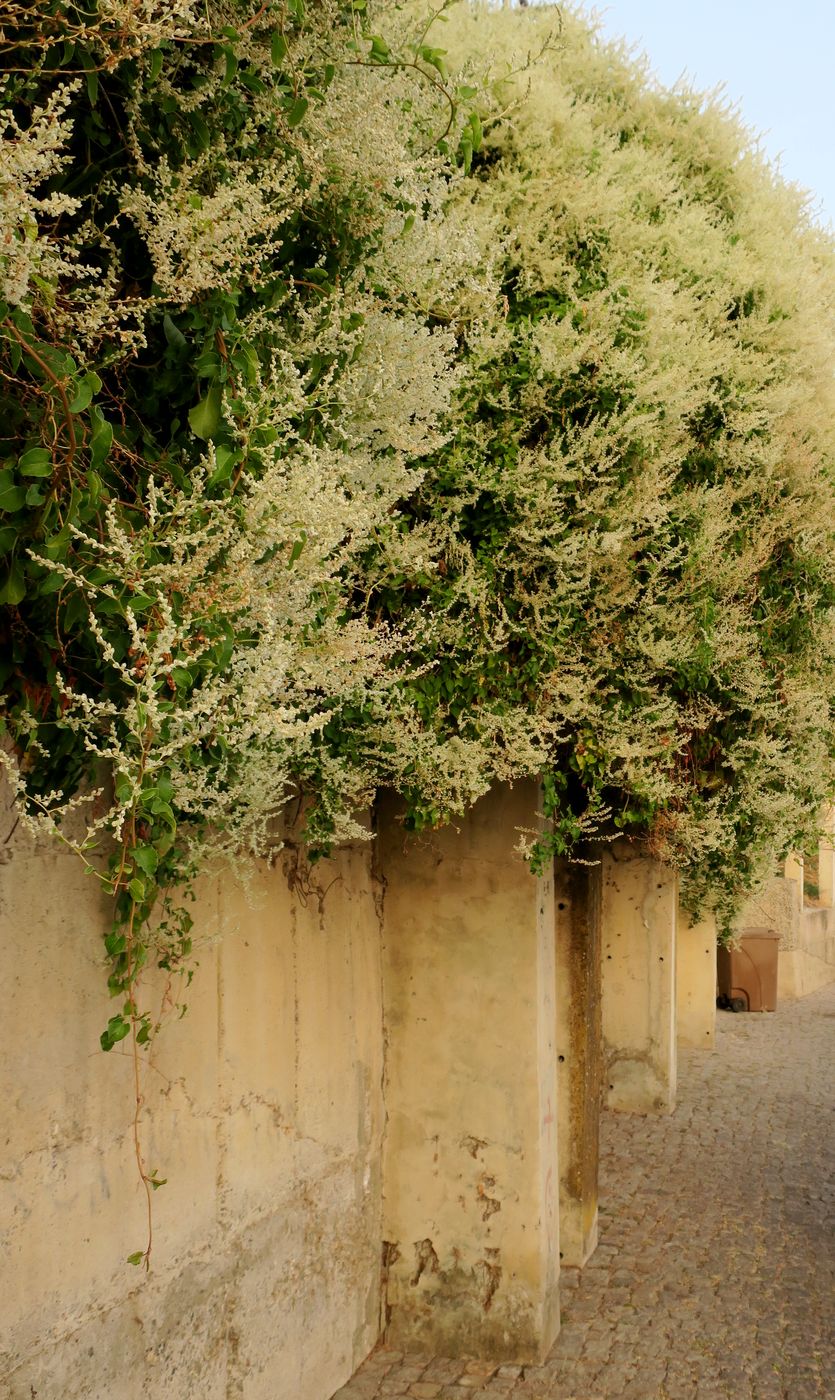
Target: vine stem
(435, 82)
(50, 373)
(138, 1097)
(129, 840)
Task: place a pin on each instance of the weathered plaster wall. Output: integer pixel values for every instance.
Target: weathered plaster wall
(471, 1177)
(696, 982)
(264, 1112)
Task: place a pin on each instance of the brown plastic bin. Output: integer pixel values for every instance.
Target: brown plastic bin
(747, 974)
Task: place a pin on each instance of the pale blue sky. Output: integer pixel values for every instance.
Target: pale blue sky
(776, 60)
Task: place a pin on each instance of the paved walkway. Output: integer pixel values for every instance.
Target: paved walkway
(715, 1274)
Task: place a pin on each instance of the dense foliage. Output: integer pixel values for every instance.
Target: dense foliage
(380, 408)
(634, 517)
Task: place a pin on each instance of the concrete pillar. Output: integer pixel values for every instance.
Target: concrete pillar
(640, 900)
(793, 870)
(470, 1169)
(577, 900)
(696, 982)
(826, 862)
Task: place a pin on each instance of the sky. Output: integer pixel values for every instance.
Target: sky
(776, 60)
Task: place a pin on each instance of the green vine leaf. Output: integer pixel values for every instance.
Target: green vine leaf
(205, 418)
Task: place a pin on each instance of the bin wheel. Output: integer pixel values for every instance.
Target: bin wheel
(738, 1004)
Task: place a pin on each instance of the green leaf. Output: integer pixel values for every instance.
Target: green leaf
(117, 1029)
(90, 385)
(278, 48)
(298, 546)
(231, 65)
(204, 419)
(12, 496)
(297, 111)
(137, 1257)
(136, 890)
(435, 59)
(173, 334)
(157, 1181)
(124, 788)
(225, 460)
(55, 546)
(165, 787)
(92, 81)
(155, 65)
(159, 808)
(146, 858)
(13, 591)
(101, 438)
(77, 611)
(202, 135)
(36, 462)
(53, 583)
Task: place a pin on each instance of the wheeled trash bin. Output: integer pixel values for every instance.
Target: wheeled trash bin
(747, 974)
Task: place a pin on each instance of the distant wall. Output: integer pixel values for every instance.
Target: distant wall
(807, 934)
(264, 1112)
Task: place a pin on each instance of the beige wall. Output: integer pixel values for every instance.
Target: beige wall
(471, 1191)
(807, 934)
(265, 1113)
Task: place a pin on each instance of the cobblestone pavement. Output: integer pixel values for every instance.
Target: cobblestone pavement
(715, 1273)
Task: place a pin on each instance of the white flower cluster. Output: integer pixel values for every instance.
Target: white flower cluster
(28, 157)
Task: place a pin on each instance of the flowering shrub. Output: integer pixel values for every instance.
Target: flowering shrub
(634, 516)
(364, 421)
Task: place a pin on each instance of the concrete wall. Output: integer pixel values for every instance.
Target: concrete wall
(264, 1112)
(278, 1255)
